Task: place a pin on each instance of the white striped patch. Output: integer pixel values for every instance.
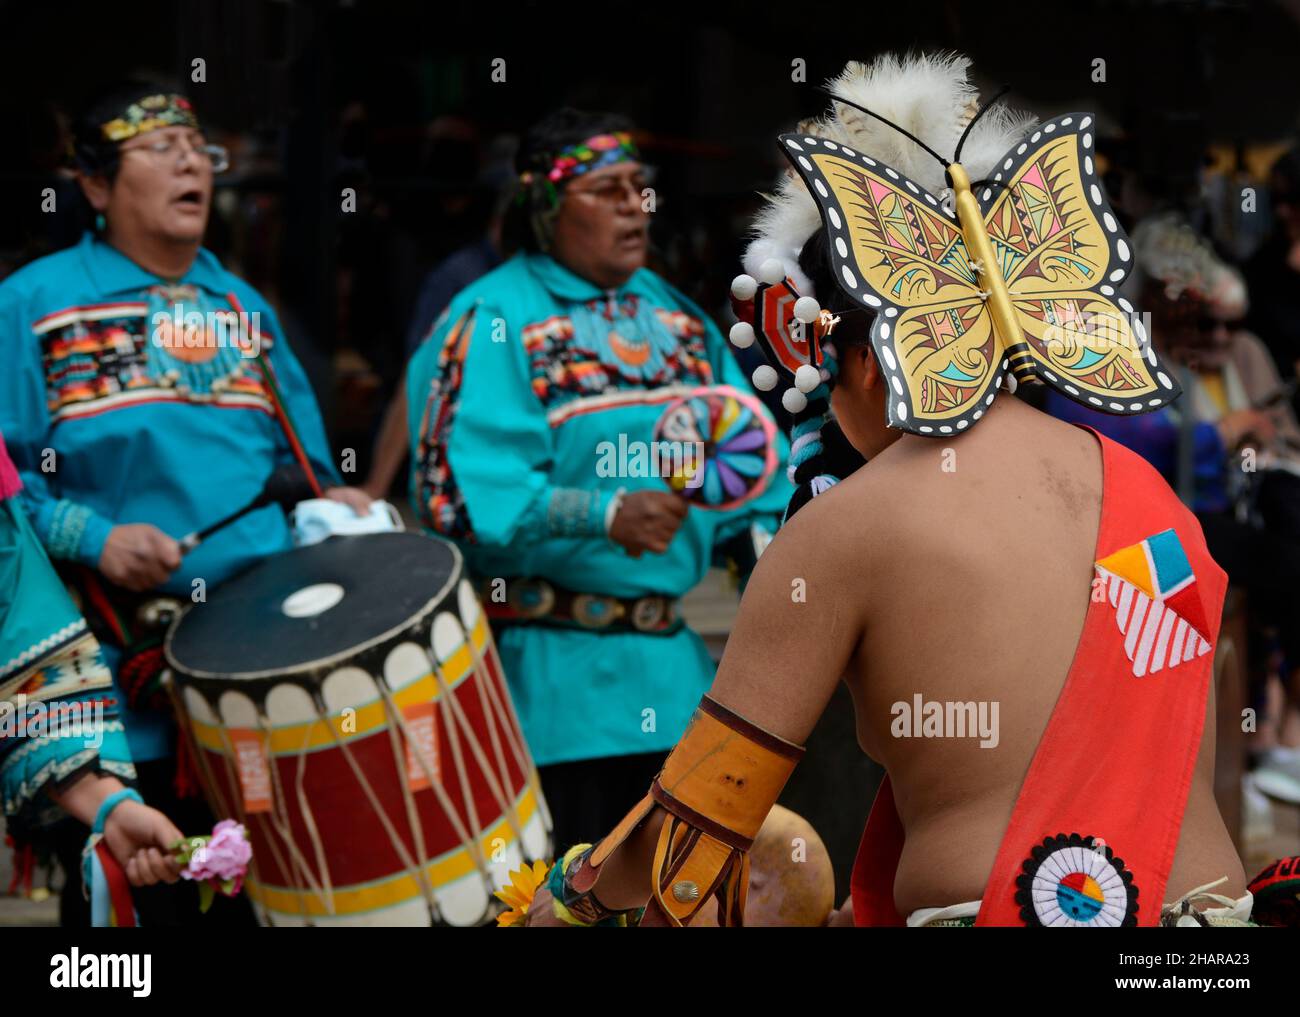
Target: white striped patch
(1161, 652)
(1147, 641)
(1154, 636)
(1176, 646)
(1135, 620)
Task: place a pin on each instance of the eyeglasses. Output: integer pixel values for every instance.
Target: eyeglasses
(163, 149)
(611, 190)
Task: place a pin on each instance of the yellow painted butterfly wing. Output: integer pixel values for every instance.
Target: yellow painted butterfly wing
(899, 251)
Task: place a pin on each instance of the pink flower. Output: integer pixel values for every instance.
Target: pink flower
(224, 857)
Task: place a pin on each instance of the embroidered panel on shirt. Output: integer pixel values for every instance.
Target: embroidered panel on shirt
(66, 661)
(1157, 603)
(607, 346)
(441, 504)
(106, 356)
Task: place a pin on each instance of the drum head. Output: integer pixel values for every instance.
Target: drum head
(303, 608)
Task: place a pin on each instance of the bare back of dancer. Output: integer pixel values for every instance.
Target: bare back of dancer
(976, 559)
(959, 571)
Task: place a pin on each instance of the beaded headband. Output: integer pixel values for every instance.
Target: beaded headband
(595, 153)
(150, 114)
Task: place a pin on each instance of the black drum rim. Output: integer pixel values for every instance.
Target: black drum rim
(299, 672)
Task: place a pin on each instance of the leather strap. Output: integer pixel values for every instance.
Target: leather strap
(725, 774)
(272, 387)
(718, 786)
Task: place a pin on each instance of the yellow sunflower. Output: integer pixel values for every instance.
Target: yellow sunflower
(519, 893)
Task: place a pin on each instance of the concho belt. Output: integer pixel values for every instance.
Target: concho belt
(540, 601)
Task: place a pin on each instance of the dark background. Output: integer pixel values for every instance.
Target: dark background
(397, 101)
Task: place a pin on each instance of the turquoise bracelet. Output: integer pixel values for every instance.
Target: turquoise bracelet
(112, 802)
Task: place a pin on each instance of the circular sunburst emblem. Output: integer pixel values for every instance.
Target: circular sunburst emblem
(717, 447)
(1070, 880)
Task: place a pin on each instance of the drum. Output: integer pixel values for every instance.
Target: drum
(346, 703)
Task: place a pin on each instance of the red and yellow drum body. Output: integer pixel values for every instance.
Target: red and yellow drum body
(346, 703)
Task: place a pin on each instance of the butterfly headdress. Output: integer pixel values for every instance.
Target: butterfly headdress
(1010, 272)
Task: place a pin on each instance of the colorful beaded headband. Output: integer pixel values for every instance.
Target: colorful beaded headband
(149, 114)
(595, 153)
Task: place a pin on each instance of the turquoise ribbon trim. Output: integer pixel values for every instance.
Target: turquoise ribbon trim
(67, 524)
(112, 802)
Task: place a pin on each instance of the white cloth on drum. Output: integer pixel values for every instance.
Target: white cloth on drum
(318, 518)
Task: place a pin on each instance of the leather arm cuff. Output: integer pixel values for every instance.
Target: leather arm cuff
(718, 785)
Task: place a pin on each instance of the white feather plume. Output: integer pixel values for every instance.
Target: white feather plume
(930, 96)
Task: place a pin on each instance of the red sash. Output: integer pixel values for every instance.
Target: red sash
(1094, 830)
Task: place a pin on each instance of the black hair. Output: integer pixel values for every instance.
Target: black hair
(538, 149)
(1284, 177)
(832, 456)
(91, 152)
(854, 328)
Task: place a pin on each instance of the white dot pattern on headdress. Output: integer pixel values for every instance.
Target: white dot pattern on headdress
(883, 335)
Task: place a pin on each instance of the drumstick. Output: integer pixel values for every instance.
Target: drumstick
(287, 486)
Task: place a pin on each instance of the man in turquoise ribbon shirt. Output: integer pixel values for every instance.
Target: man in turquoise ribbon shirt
(147, 393)
(537, 370)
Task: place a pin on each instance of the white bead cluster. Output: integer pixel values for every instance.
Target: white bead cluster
(806, 309)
